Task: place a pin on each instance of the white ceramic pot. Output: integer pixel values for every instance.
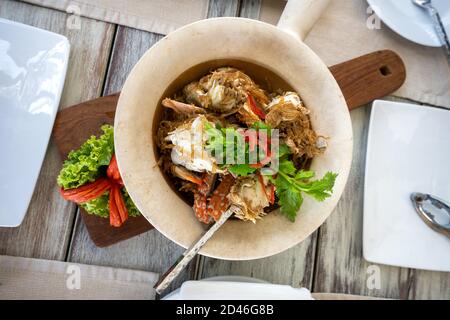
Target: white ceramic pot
(279, 50)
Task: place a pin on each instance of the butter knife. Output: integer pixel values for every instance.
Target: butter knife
(437, 22)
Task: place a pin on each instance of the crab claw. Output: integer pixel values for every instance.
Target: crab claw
(219, 202)
(200, 209)
(180, 107)
(201, 198)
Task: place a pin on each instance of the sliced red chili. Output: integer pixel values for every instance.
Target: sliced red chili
(118, 212)
(113, 170)
(255, 108)
(120, 204)
(87, 192)
(262, 163)
(252, 138)
(272, 194)
(114, 216)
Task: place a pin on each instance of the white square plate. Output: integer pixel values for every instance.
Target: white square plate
(33, 64)
(408, 150)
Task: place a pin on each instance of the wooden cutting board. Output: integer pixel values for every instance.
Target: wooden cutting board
(362, 80)
(73, 126)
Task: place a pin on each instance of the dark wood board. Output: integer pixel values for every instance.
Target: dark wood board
(75, 125)
(361, 80)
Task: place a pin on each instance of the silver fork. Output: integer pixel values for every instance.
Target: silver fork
(437, 21)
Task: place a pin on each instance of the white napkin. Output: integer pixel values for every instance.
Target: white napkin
(224, 290)
(159, 16)
(26, 278)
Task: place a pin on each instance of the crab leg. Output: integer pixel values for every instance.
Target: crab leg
(219, 202)
(180, 107)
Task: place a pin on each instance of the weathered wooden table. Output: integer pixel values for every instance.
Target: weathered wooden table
(330, 260)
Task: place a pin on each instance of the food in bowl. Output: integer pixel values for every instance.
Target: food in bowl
(224, 140)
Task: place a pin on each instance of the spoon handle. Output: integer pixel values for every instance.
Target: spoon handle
(440, 29)
(170, 275)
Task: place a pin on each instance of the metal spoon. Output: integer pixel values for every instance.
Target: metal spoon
(437, 22)
(433, 211)
(181, 263)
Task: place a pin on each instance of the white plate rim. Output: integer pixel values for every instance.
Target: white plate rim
(430, 42)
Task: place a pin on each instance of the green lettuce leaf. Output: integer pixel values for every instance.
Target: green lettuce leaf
(98, 206)
(83, 165)
(242, 169)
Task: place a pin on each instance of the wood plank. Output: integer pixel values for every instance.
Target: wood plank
(250, 9)
(129, 46)
(429, 285)
(45, 232)
(292, 267)
(340, 267)
(220, 8)
(149, 251)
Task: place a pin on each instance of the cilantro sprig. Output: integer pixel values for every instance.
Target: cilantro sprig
(219, 146)
(291, 184)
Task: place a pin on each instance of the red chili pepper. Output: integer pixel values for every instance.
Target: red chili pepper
(114, 216)
(262, 163)
(118, 212)
(272, 194)
(120, 204)
(113, 171)
(252, 138)
(87, 192)
(264, 144)
(255, 108)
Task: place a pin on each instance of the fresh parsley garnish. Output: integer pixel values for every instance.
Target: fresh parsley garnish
(242, 170)
(291, 183)
(229, 148)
